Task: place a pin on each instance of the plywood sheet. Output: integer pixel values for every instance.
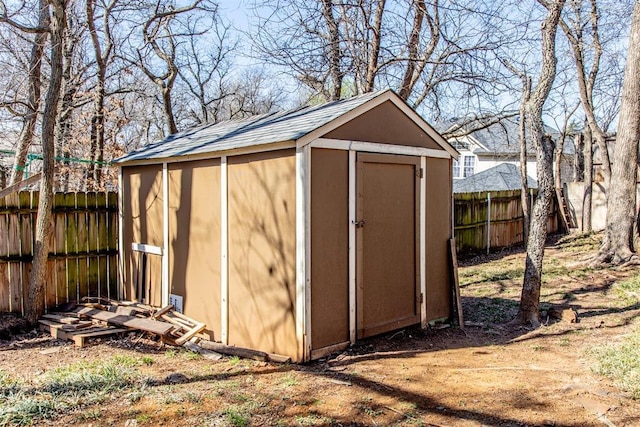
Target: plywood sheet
(329, 247)
(438, 206)
(385, 124)
(194, 240)
(262, 252)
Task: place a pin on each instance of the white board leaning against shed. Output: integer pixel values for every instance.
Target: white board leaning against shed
(298, 232)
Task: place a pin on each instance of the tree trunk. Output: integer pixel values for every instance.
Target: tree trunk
(372, 64)
(68, 90)
(617, 246)
(530, 297)
(588, 181)
(412, 48)
(578, 158)
(334, 50)
(168, 109)
(522, 136)
(35, 306)
(97, 120)
(33, 103)
(528, 312)
(557, 184)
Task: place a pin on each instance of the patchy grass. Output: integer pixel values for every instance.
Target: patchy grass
(237, 417)
(621, 363)
(581, 243)
(494, 272)
(628, 291)
(62, 390)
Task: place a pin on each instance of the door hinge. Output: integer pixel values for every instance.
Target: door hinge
(420, 172)
(421, 298)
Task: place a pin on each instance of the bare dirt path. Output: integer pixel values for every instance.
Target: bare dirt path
(491, 374)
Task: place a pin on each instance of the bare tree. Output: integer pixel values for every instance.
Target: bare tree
(56, 28)
(421, 49)
(586, 76)
(103, 49)
(206, 75)
(618, 240)
(35, 83)
(163, 32)
(528, 311)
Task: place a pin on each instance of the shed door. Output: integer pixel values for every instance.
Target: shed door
(387, 245)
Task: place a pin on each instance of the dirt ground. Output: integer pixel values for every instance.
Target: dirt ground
(490, 374)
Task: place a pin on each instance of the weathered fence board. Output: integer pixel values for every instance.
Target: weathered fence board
(82, 253)
(492, 220)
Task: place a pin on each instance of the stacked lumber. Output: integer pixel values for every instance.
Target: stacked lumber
(101, 317)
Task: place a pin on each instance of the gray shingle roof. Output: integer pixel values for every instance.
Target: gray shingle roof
(258, 130)
(505, 176)
(501, 139)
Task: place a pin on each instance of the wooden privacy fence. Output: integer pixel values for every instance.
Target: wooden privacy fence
(83, 255)
(491, 220)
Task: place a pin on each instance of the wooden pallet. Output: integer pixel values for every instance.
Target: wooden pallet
(77, 332)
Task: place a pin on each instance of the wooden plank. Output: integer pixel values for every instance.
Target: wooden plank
(127, 311)
(174, 322)
(79, 339)
(456, 283)
(4, 234)
(61, 318)
(149, 325)
(183, 317)
(15, 287)
(82, 324)
(189, 334)
(20, 185)
(4, 288)
(234, 351)
(207, 354)
(93, 276)
(162, 311)
(50, 285)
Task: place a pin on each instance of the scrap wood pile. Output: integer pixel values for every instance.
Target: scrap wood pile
(99, 317)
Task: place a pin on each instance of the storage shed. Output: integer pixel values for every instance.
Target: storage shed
(297, 232)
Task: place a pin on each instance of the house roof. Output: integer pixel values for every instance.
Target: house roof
(260, 130)
(502, 139)
(505, 176)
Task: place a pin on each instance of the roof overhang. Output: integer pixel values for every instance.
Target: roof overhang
(273, 146)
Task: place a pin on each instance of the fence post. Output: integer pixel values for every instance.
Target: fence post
(488, 222)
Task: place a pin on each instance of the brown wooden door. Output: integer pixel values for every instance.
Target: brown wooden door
(387, 243)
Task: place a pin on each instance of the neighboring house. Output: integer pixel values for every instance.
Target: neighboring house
(499, 144)
(502, 177)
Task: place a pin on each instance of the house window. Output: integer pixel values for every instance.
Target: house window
(464, 167)
(469, 166)
(456, 169)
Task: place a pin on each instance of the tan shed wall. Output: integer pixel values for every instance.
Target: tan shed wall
(384, 124)
(142, 211)
(194, 240)
(329, 247)
(438, 224)
(262, 252)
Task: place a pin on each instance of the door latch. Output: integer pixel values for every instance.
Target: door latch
(359, 224)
